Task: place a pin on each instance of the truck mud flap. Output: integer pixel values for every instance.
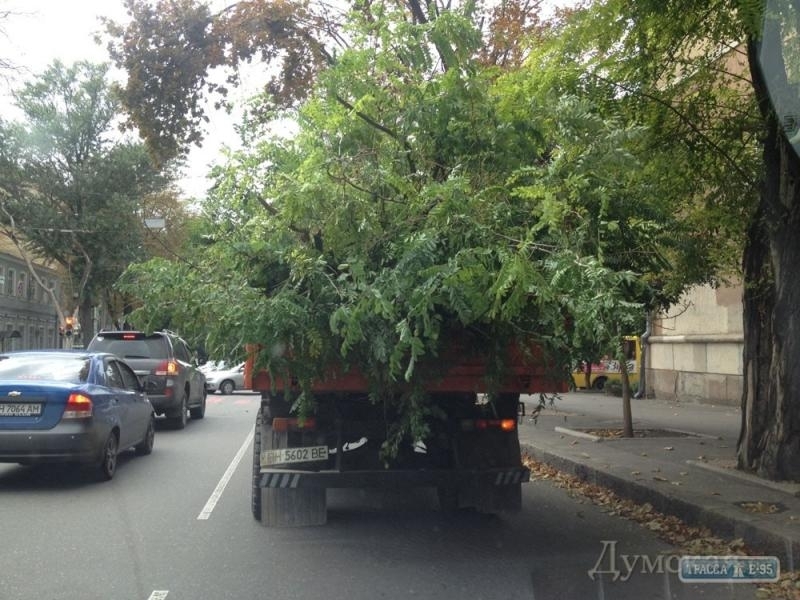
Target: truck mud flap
(512, 476)
(292, 479)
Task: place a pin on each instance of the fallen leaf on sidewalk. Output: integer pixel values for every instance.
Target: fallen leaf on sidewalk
(573, 443)
(636, 472)
(684, 473)
(643, 454)
(669, 448)
(584, 455)
(701, 457)
(659, 478)
(690, 540)
(765, 508)
(676, 483)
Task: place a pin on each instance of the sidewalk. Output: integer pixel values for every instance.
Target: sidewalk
(684, 467)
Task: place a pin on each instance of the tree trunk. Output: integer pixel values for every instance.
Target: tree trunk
(627, 415)
(587, 374)
(769, 441)
(86, 319)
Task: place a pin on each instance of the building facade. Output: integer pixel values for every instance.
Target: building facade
(695, 351)
(28, 316)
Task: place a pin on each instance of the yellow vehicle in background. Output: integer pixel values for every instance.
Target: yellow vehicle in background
(608, 369)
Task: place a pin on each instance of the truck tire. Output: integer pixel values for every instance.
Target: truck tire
(283, 507)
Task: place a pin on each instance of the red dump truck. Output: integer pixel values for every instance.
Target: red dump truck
(472, 455)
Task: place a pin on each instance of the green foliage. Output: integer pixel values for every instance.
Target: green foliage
(72, 192)
(427, 199)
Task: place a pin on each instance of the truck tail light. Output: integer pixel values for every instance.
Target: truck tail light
(79, 406)
(282, 425)
(487, 424)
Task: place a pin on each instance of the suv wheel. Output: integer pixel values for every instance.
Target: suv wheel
(198, 412)
(180, 419)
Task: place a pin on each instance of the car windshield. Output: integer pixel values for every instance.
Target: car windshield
(44, 367)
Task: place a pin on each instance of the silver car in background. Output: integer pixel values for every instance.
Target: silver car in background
(225, 380)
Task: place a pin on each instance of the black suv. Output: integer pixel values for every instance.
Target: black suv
(165, 367)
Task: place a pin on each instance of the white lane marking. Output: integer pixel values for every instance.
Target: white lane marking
(158, 595)
(226, 477)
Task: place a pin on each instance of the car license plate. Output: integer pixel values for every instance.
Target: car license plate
(20, 409)
(283, 456)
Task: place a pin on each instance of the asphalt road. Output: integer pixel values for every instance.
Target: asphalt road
(177, 525)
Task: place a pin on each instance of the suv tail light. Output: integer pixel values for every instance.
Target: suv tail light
(78, 406)
(168, 367)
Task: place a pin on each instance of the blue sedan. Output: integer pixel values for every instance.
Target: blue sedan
(72, 406)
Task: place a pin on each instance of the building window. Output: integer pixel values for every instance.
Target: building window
(22, 286)
(2, 279)
(10, 283)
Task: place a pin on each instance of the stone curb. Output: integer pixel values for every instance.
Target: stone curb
(578, 434)
(724, 525)
(793, 489)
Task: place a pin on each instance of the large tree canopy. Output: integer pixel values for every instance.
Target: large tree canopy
(172, 51)
(707, 77)
(428, 192)
(71, 192)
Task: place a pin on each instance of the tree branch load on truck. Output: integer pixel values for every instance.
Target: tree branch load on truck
(471, 454)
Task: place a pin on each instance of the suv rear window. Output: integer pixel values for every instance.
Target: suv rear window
(138, 347)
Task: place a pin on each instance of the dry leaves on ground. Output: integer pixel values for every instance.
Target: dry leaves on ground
(687, 539)
(764, 508)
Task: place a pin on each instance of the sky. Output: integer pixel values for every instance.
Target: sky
(36, 32)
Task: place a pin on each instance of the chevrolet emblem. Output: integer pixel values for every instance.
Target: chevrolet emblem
(15, 393)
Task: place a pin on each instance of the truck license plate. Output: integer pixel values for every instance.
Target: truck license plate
(283, 456)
